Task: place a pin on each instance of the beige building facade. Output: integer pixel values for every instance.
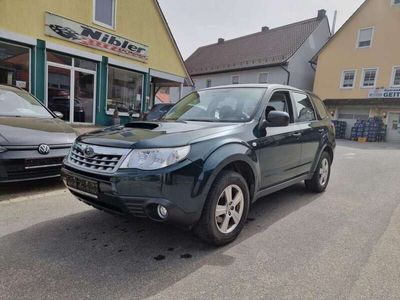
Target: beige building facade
(358, 70)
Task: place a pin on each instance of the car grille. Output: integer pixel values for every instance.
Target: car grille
(102, 159)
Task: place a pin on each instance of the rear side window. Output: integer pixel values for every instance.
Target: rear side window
(304, 108)
(320, 106)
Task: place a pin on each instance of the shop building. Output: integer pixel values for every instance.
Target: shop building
(358, 70)
(273, 55)
(88, 59)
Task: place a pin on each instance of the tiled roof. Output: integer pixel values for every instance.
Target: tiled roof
(264, 48)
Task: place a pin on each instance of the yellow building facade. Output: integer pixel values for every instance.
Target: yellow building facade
(90, 59)
(358, 70)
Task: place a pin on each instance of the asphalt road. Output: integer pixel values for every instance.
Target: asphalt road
(343, 244)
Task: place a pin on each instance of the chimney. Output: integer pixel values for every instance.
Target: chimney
(221, 41)
(321, 14)
(264, 28)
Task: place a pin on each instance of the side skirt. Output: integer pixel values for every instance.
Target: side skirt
(279, 187)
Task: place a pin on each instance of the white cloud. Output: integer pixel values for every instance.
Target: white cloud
(196, 23)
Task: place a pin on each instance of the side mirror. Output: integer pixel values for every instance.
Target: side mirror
(58, 114)
(278, 119)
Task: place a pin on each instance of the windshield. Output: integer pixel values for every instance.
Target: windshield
(217, 105)
(21, 104)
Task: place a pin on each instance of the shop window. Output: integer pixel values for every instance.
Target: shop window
(59, 58)
(15, 65)
(348, 78)
(396, 2)
(208, 83)
(125, 91)
(263, 77)
(369, 78)
(365, 37)
(104, 12)
(85, 64)
(235, 79)
(396, 76)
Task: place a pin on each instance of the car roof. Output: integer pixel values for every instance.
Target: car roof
(253, 85)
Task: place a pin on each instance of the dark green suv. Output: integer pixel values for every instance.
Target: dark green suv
(213, 154)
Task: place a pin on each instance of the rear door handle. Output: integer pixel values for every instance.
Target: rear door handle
(297, 134)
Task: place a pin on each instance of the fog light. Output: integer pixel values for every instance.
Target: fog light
(162, 211)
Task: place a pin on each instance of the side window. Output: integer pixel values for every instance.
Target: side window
(320, 106)
(280, 101)
(304, 108)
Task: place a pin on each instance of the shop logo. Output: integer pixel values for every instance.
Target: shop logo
(91, 37)
(44, 149)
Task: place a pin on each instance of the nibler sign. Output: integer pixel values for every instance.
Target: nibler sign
(384, 93)
(81, 34)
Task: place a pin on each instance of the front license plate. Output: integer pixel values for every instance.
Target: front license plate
(80, 184)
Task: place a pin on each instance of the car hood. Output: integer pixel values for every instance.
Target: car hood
(17, 131)
(157, 134)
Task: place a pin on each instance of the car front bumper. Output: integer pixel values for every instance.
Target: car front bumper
(27, 164)
(138, 193)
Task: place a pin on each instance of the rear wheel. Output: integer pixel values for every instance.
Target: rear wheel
(319, 182)
(225, 210)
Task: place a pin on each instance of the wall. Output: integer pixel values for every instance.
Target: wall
(137, 20)
(302, 74)
(342, 52)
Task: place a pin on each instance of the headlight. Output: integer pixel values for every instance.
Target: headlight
(3, 149)
(153, 159)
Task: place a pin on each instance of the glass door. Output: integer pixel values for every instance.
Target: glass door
(84, 97)
(59, 90)
(71, 87)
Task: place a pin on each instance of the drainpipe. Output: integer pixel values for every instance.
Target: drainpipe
(287, 71)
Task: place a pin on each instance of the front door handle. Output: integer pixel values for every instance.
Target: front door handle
(297, 134)
(321, 130)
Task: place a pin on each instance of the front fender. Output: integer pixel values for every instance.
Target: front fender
(222, 157)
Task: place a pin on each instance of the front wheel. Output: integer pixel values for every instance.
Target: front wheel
(319, 182)
(225, 210)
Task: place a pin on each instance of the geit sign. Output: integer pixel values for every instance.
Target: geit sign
(81, 34)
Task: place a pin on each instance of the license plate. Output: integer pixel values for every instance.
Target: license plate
(83, 185)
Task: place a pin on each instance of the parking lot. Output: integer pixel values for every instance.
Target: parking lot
(340, 244)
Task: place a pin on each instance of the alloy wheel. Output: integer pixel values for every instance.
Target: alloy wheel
(229, 209)
(324, 172)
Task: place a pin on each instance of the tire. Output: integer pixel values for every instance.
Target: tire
(223, 229)
(319, 182)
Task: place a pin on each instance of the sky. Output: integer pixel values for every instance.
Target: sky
(196, 23)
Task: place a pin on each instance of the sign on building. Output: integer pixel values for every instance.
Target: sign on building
(84, 35)
(384, 93)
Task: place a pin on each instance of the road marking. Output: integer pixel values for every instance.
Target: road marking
(33, 197)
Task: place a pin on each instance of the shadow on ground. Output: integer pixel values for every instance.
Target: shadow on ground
(28, 188)
(99, 255)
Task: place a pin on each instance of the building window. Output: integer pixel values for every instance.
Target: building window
(365, 37)
(104, 13)
(369, 78)
(208, 83)
(15, 65)
(396, 76)
(348, 78)
(125, 91)
(396, 2)
(235, 79)
(263, 77)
